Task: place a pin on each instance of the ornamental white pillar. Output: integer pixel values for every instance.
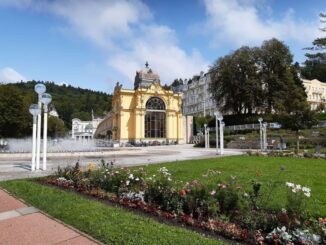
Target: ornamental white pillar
(208, 145)
(205, 131)
(216, 130)
(222, 137)
(34, 110)
(46, 99)
(38, 140)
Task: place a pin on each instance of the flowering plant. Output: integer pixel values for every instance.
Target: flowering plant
(304, 237)
(296, 197)
(160, 190)
(280, 236)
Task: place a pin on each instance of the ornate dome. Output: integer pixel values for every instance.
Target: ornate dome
(145, 77)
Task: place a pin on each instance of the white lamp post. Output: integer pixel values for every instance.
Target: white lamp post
(220, 118)
(260, 120)
(34, 110)
(208, 145)
(39, 89)
(222, 137)
(265, 135)
(216, 129)
(46, 99)
(205, 126)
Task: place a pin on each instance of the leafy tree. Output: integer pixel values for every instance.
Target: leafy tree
(315, 65)
(200, 121)
(66, 99)
(56, 127)
(235, 85)
(82, 115)
(275, 74)
(15, 119)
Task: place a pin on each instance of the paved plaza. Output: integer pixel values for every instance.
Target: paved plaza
(14, 166)
(24, 225)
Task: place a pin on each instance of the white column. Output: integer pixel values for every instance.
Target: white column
(38, 143)
(34, 144)
(265, 137)
(221, 138)
(216, 134)
(205, 131)
(45, 135)
(261, 137)
(208, 145)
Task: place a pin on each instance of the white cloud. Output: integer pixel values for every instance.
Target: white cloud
(127, 33)
(9, 75)
(239, 22)
(158, 45)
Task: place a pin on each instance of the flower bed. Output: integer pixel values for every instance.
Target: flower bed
(223, 208)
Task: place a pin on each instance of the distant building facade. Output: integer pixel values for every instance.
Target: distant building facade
(197, 99)
(84, 129)
(53, 112)
(316, 92)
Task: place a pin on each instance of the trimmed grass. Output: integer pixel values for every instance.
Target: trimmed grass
(111, 225)
(114, 225)
(307, 172)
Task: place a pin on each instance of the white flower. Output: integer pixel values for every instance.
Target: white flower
(307, 194)
(294, 190)
(131, 176)
(306, 189)
(169, 179)
(284, 211)
(116, 172)
(298, 187)
(288, 184)
(213, 192)
(246, 194)
(137, 179)
(127, 182)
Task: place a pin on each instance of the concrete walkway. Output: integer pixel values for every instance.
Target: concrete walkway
(15, 166)
(24, 225)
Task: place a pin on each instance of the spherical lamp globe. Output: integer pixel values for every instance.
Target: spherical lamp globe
(40, 88)
(46, 98)
(34, 109)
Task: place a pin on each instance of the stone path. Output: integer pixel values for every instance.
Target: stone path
(24, 225)
(15, 166)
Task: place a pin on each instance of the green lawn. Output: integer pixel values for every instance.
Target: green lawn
(111, 225)
(307, 172)
(114, 225)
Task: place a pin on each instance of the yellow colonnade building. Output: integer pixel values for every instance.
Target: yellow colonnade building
(149, 113)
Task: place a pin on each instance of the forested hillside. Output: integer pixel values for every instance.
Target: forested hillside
(70, 102)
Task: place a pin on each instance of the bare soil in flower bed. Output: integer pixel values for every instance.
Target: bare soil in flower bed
(148, 211)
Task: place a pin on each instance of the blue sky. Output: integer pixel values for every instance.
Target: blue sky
(95, 43)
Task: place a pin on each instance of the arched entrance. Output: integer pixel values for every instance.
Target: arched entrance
(155, 118)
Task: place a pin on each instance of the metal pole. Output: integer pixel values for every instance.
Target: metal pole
(45, 135)
(216, 132)
(221, 137)
(34, 144)
(265, 137)
(205, 135)
(38, 143)
(208, 145)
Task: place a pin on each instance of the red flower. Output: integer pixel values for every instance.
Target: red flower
(182, 193)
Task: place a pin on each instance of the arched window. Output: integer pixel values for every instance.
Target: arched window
(155, 103)
(155, 118)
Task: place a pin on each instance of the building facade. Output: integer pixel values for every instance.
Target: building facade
(316, 93)
(145, 114)
(84, 129)
(196, 98)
